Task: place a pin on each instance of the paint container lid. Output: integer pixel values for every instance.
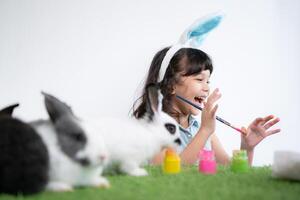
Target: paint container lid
(239, 153)
(170, 152)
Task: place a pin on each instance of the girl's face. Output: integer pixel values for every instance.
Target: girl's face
(194, 88)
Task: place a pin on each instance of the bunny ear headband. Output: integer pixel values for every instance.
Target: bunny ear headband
(192, 37)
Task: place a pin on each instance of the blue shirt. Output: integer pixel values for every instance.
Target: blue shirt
(187, 134)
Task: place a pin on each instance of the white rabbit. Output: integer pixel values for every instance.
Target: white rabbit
(76, 151)
(132, 142)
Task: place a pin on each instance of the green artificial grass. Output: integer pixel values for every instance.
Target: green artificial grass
(189, 184)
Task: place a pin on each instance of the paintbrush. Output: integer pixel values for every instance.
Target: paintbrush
(218, 118)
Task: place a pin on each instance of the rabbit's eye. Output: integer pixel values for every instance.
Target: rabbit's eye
(78, 137)
(171, 128)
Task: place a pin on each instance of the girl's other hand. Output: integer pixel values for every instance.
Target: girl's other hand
(208, 118)
(257, 131)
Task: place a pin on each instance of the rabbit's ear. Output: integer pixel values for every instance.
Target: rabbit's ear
(152, 102)
(197, 32)
(8, 110)
(56, 108)
(160, 99)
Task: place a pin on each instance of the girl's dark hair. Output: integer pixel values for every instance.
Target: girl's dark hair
(185, 62)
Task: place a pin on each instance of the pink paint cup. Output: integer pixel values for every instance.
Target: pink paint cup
(207, 162)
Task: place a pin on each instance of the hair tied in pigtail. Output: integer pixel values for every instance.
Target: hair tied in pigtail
(192, 37)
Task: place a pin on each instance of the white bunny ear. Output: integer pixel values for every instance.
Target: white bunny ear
(192, 37)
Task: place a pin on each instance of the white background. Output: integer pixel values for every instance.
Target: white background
(95, 55)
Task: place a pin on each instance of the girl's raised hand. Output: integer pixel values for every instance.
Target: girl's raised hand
(258, 130)
(208, 119)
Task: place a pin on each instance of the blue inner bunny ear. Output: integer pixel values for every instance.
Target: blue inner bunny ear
(202, 28)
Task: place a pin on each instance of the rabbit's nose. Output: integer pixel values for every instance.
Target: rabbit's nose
(102, 157)
(178, 141)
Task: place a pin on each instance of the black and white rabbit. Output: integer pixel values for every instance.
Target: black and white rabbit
(76, 150)
(24, 159)
(132, 143)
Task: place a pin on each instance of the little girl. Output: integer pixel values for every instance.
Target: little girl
(186, 71)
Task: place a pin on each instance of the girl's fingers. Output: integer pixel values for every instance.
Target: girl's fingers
(213, 98)
(210, 97)
(214, 110)
(271, 132)
(204, 105)
(271, 123)
(257, 121)
(210, 107)
(268, 118)
(215, 95)
(244, 130)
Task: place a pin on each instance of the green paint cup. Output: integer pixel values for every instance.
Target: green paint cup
(239, 162)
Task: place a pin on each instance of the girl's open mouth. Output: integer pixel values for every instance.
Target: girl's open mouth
(199, 100)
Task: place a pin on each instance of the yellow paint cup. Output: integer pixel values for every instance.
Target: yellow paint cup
(171, 163)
